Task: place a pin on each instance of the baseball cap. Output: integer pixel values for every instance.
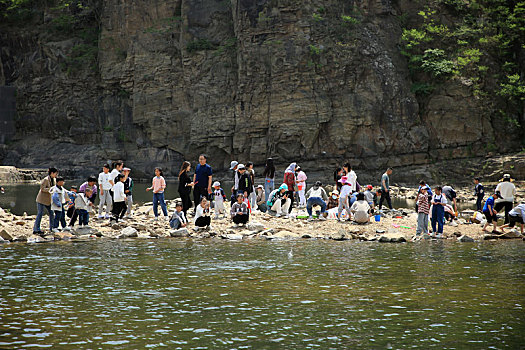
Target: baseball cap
(233, 164)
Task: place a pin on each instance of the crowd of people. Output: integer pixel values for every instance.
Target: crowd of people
(347, 201)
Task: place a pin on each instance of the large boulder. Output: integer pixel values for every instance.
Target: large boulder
(128, 232)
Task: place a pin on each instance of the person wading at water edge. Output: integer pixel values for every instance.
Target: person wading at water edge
(43, 200)
(202, 180)
(385, 189)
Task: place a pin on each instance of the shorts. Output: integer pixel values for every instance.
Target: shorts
(515, 219)
(489, 217)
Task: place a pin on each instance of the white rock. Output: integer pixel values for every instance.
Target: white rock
(128, 232)
(181, 232)
(233, 236)
(255, 226)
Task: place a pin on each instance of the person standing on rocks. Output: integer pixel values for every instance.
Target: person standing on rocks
(351, 176)
(385, 189)
(105, 185)
(202, 180)
(117, 168)
(245, 182)
(289, 180)
(43, 200)
(338, 173)
(346, 189)
(423, 209)
(479, 192)
(490, 212)
(185, 185)
(269, 177)
(301, 186)
(253, 196)
(439, 200)
(158, 185)
(233, 166)
(506, 201)
(128, 190)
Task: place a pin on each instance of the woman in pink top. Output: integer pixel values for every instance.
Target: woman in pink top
(158, 185)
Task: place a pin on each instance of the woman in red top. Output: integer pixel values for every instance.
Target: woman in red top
(289, 180)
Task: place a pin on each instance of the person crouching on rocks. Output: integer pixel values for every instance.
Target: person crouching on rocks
(316, 196)
(333, 201)
(239, 211)
(202, 214)
(361, 209)
(178, 218)
(490, 212)
(261, 199)
(279, 202)
(219, 198)
(346, 189)
(119, 198)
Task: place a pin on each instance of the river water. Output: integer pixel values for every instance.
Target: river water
(20, 198)
(135, 294)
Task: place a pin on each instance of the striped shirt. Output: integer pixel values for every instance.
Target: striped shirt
(423, 206)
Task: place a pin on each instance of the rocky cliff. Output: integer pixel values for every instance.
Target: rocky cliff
(162, 81)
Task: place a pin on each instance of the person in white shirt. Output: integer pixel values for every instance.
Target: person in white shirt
(361, 209)
(83, 206)
(105, 185)
(202, 214)
(516, 216)
(508, 191)
(351, 175)
(119, 198)
(343, 198)
(117, 168)
(316, 196)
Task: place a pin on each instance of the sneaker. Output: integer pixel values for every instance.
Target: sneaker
(322, 218)
(55, 230)
(310, 218)
(100, 216)
(67, 228)
(107, 216)
(286, 216)
(278, 215)
(156, 218)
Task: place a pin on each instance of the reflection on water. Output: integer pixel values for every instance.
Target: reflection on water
(216, 294)
(20, 198)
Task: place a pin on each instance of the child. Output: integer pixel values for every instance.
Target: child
(202, 214)
(479, 192)
(105, 185)
(346, 189)
(71, 212)
(423, 209)
(261, 199)
(490, 213)
(178, 219)
(83, 207)
(58, 201)
(333, 201)
(239, 211)
(361, 209)
(220, 198)
(253, 196)
(128, 190)
(91, 183)
(119, 198)
(158, 186)
(439, 201)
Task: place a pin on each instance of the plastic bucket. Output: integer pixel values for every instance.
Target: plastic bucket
(377, 217)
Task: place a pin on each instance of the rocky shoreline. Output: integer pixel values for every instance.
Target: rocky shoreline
(396, 226)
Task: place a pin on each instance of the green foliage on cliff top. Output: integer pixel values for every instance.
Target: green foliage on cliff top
(483, 47)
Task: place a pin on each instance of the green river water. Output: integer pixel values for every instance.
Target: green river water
(140, 294)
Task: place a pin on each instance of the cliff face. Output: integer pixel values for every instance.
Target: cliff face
(237, 79)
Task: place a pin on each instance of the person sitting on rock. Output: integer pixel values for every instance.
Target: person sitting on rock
(516, 215)
(178, 218)
(261, 199)
(239, 211)
(361, 209)
(279, 202)
(316, 196)
(333, 201)
(202, 214)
